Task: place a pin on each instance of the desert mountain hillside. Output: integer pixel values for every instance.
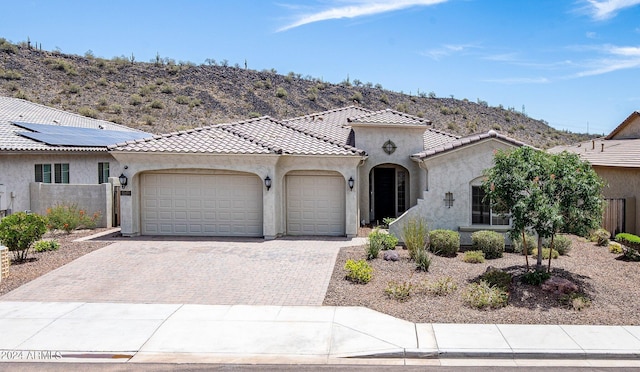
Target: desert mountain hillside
(163, 96)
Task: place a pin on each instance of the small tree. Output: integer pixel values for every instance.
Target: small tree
(545, 193)
(20, 230)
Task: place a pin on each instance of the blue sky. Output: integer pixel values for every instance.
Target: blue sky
(573, 63)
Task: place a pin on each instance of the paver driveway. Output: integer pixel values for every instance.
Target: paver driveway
(254, 272)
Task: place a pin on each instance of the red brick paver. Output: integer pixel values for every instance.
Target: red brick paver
(276, 272)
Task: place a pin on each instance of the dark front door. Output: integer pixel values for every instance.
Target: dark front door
(384, 193)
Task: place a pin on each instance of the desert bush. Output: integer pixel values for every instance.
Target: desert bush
(535, 277)
(7, 47)
(61, 65)
(46, 245)
(615, 247)
(18, 231)
(415, 235)
(281, 92)
(135, 100)
(444, 242)
(372, 249)
(600, 237)
(481, 295)
(562, 244)
(423, 260)
(182, 100)
(399, 291)
(157, 105)
(545, 253)
(490, 243)
(72, 89)
(497, 278)
(443, 286)
(166, 89)
(473, 257)
(358, 271)
(69, 217)
(382, 239)
(576, 301)
(88, 112)
(10, 74)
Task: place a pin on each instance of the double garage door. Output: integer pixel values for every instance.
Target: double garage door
(232, 204)
(201, 204)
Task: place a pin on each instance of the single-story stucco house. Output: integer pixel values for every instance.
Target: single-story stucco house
(321, 174)
(616, 158)
(49, 156)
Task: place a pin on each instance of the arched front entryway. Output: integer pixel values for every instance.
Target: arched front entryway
(388, 191)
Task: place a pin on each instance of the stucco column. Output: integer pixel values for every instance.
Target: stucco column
(269, 206)
(126, 213)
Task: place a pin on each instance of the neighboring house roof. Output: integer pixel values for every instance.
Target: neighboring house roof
(621, 148)
(14, 110)
(465, 141)
(607, 153)
(627, 122)
(262, 135)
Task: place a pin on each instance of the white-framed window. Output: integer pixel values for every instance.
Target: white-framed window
(103, 172)
(481, 213)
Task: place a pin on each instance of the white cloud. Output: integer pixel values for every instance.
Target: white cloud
(605, 9)
(511, 81)
(617, 58)
(358, 9)
(447, 50)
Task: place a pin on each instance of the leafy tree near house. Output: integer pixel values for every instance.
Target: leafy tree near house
(545, 193)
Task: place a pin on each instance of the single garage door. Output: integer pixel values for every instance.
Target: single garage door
(199, 204)
(315, 205)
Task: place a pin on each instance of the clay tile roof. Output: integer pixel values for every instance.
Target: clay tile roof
(388, 117)
(18, 110)
(464, 141)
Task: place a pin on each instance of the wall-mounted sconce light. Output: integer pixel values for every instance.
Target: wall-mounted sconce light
(448, 199)
(123, 180)
(267, 182)
(351, 182)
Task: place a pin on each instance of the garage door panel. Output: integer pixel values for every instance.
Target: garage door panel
(315, 205)
(206, 205)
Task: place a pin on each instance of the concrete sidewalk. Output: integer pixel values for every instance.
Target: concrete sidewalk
(174, 333)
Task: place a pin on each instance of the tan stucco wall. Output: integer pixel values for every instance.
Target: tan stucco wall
(409, 141)
(455, 172)
(17, 172)
(631, 130)
(623, 183)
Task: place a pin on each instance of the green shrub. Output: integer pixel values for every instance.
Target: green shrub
(157, 105)
(70, 217)
(562, 244)
(545, 253)
(415, 235)
(490, 243)
(615, 247)
(182, 100)
(497, 278)
(10, 74)
(46, 245)
(601, 237)
(399, 291)
(61, 65)
(382, 239)
(481, 295)
(630, 245)
(443, 286)
(387, 221)
(18, 231)
(373, 249)
(88, 112)
(473, 257)
(535, 277)
(358, 271)
(423, 260)
(135, 100)
(444, 242)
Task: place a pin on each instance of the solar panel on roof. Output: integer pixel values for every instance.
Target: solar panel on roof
(59, 135)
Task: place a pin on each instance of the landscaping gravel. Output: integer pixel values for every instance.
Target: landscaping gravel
(38, 264)
(611, 283)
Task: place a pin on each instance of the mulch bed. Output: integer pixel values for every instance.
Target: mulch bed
(611, 283)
